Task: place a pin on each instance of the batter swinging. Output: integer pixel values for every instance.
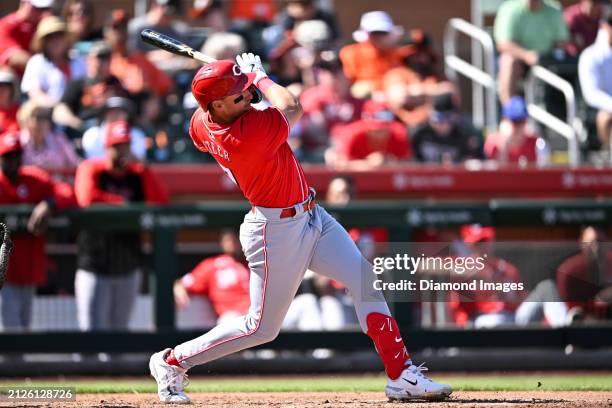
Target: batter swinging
(284, 234)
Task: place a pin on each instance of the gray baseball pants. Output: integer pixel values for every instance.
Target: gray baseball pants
(278, 252)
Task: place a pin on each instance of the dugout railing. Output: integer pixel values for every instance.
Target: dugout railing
(400, 217)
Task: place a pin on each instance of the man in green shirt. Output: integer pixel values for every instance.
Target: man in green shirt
(524, 30)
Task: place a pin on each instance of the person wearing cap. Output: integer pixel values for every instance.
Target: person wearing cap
(109, 262)
(17, 30)
(582, 20)
(42, 144)
(284, 234)
(132, 67)
(8, 102)
(48, 71)
(524, 30)
(446, 137)
(595, 75)
(115, 108)
(514, 141)
(20, 184)
(485, 308)
(376, 51)
(84, 98)
(370, 142)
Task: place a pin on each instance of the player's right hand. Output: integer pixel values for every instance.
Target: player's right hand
(249, 62)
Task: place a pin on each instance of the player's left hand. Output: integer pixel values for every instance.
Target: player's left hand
(249, 62)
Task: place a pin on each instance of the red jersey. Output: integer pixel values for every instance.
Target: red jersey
(224, 281)
(8, 119)
(354, 143)
(526, 149)
(95, 183)
(254, 152)
(15, 34)
(28, 263)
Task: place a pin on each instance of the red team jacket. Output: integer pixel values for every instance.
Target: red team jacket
(254, 153)
(89, 184)
(28, 261)
(224, 281)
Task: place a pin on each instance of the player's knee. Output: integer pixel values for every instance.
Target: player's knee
(261, 333)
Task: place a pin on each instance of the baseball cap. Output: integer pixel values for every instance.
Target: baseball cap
(47, 26)
(117, 132)
(42, 4)
(7, 77)
(119, 102)
(473, 233)
(375, 21)
(9, 142)
(515, 109)
(219, 79)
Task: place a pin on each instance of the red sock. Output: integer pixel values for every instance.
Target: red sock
(170, 359)
(383, 330)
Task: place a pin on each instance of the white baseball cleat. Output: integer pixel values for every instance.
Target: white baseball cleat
(170, 379)
(413, 384)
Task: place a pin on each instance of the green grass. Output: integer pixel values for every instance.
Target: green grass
(489, 382)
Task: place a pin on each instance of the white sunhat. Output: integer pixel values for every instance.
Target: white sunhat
(374, 21)
(42, 3)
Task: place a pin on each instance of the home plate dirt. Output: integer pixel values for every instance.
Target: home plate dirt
(475, 399)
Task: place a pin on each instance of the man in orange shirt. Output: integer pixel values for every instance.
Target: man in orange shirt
(366, 62)
(135, 72)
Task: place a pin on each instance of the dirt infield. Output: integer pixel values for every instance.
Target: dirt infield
(475, 399)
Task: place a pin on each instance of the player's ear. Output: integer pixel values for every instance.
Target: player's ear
(216, 105)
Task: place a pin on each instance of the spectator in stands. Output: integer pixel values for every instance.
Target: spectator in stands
(43, 146)
(135, 72)
(408, 89)
(116, 108)
(250, 11)
(525, 30)
(298, 11)
(340, 191)
(595, 73)
(370, 142)
(108, 277)
(222, 279)
(17, 30)
(30, 185)
(485, 308)
(48, 71)
(327, 105)
(212, 14)
(585, 279)
(161, 17)
(224, 45)
(514, 142)
(582, 20)
(446, 137)
(8, 102)
(375, 53)
(78, 15)
(84, 99)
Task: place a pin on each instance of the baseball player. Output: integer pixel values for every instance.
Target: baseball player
(282, 235)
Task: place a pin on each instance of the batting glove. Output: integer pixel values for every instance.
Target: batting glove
(249, 62)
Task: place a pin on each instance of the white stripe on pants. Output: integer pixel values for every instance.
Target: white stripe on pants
(279, 251)
(105, 302)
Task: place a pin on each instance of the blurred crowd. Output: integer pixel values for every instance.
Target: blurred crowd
(78, 95)
(377, 97)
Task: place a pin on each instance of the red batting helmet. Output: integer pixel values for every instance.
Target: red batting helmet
(218, 80)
